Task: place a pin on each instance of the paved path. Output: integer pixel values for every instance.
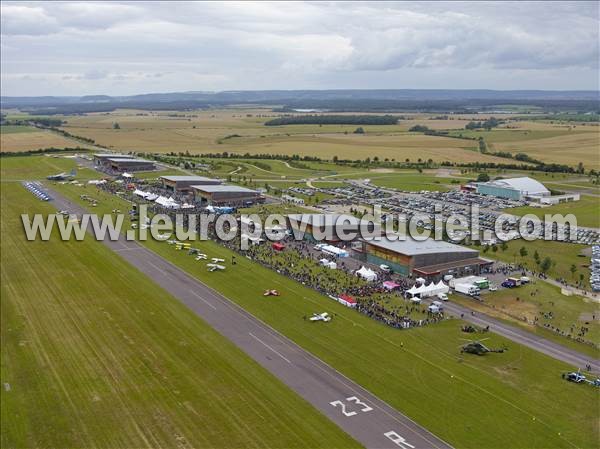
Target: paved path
(368, 419)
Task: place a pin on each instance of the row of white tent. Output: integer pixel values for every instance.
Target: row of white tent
(332, 250)
(425, 291)
(159, 199)
(367, 274)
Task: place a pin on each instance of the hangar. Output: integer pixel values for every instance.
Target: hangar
(225, 195)
(185, 183)
(102, 159)
(325, 224)
(516, 189)
(129, 164)
(431, 259)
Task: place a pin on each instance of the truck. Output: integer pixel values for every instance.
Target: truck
(511, 283)
(467, 289)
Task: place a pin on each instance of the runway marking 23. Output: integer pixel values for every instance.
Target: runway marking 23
(353, 399)
(398, 440)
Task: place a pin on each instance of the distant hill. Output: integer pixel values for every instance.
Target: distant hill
(434, 100)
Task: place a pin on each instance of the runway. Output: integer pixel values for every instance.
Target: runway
(541, 344)
(368, 419)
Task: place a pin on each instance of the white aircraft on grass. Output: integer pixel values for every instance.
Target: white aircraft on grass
(321, 317)
(214, 267)
(217, 260)
(201, 256)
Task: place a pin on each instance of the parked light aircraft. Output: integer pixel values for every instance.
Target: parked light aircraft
(321, 317)
(62, 176)
(214, 267)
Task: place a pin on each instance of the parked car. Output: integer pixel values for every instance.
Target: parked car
(442, 296)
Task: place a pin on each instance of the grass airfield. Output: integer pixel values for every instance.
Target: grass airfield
(94, 354)
(532, 406)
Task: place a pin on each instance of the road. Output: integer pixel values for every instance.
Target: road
(368, 419)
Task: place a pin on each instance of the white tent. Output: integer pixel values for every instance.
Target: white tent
(334, 251)
(167, 202)
(420, 281)
(425, 291)
(332, 265)
(127, 175)
(412, 291)
(140, 193)
(367, 274)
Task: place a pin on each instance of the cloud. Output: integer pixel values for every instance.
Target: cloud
(85, 47)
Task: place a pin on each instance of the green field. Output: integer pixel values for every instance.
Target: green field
(516, 399)
(563, 256)
(95, 354)
(10, 129)
(587, 210)
(39, 167)
(522, 305)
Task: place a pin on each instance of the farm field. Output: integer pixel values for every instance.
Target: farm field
(242, 131)
(562, 146)
(412, 368)
(210, 131)
(544, 302)
(587, 210)
(12, 129)
(99, 356)
(34, 139)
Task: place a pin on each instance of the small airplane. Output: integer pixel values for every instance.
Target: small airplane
(214, 267)
(201, 256)
(321, 317)
(171, 242)
(63, 212)
(62, 176)
(271, 293)
(217, 260)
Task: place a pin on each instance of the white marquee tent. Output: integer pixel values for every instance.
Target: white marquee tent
(425, 291)
(367, 274)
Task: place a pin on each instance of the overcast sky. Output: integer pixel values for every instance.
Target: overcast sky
(120, 48)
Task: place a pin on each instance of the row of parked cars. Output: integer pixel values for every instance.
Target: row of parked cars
(37, 191)
(595, 268)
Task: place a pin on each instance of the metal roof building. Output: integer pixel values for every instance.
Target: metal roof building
(225, 194)
(513, 188)
(184, 183)
(429, 258)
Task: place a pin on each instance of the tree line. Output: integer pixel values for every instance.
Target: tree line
(334, 120)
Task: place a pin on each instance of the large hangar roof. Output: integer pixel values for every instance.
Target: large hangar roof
(176, 178)
(411, 247)
(222, 188)
(525, 185)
